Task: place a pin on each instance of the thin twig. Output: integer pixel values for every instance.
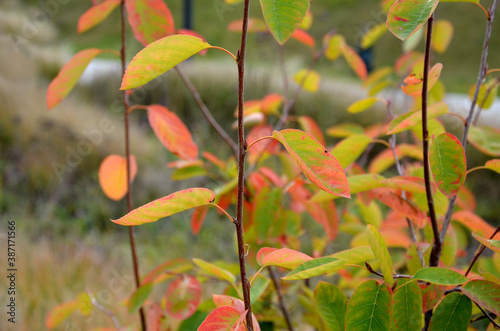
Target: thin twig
(103, 309)
(281, 301)
(436, 249)
(127, 156)
(241, 166)
(482, 71)
(479, 251)
(205, 111)
(495, 324)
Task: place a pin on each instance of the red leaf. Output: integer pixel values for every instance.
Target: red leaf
(183, 297)
(96, 14)
(197, 219)
(172, 132)
(414, 82)
(226, 300)
(69, 75)
(150, 20)
(256, 151)
(113, 175)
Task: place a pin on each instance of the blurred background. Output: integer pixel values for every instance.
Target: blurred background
(65, 242)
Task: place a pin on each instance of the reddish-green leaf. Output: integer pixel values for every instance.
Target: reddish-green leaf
(150, 20)
(308, 79)
(309, 125)
(139, 297)
(407, 16)
(348, 150)
(215, 270)
(325, 214)
(485, 293)
(407, 307)
(440, 276)
(321, 167)
(370, 308)
(183, 297)
(441, 35)
(113, 175)
(283, 17)
(431, 294)
(448, 165)
(223, 318)
(315, 267)
(331, 304)
(166, 206)
(414, 82)
(96, 14)
(354, 61)
(69, 75)
(381, 253)
(492, 244)
(397, 203)
(226, 300)
(159, 57)
(486, 139)
(408, 120)
(172, 132)
(59, 313)
(284, 257)
(453, 313)
(473, 222)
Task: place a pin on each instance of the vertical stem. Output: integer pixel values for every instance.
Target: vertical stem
(482, 70)
(281, 301)
(436, 249)
(241, 166)
(127, 156)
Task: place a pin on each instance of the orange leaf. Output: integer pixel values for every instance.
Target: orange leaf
(310, 126)
(96, 14)
(413, 83)
(59, 313)
(304, 37)
(254, 25)
(284, 257)
(166, 206)
(270, 146)
(271, 103)
(197, 219)
(354, 61)
(325, 213)
(397, 203)
(473, 222)
(172, 132)
(113, 175)
(68, 76)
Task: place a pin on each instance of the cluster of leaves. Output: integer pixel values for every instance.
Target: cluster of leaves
(294, 177)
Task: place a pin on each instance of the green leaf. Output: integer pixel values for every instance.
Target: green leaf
(96, 14)
(349, 149)
(283, 17)
(331, 304)
(315, 267)
(259, 286)
(284, 257)
(486, 139)
(139, 297)
(266, 208)
(150, 20)
(493, 165)
(407, 16)
(159, 57)
(381, 253)
(440, 276)
(215, 270)
(448, 165)
(410, 119)
(321, 167)
(355, 255)
(407, 307)
(452, 314)
(485, 293)
(166, 206)
(66, 79)
(370, 308)
(494, 245)
(357, 183)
